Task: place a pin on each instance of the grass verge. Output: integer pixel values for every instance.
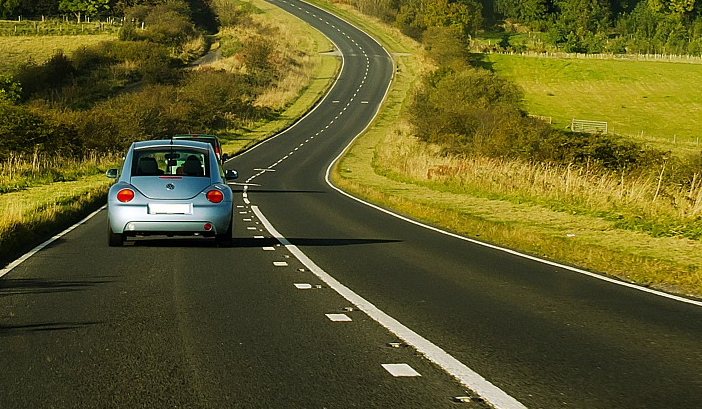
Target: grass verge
(591, 242)
(31, 216)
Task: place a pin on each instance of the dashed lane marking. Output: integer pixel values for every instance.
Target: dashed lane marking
(400, 370)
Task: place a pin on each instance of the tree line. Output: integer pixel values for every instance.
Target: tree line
(583, 26)
(80, 9)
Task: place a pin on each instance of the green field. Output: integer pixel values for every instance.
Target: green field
(656, 102)
(17, 50)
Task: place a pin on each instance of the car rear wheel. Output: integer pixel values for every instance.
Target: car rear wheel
(225, 239)
(114, 239)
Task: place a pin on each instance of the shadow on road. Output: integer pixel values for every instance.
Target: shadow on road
(309, 242)
(247, 242)
(17, 286)
(10, 330)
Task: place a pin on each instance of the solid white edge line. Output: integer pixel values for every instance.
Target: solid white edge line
(466, 376)
(512, 252)
(40, 247)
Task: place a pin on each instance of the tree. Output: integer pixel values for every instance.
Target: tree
(84, 7)
(464, 15)
(7, 7)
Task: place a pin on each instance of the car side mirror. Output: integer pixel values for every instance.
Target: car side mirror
(230, 174)
(112, 173)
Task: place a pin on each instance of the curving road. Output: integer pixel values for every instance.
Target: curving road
(315, 304)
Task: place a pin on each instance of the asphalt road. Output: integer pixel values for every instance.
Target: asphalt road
(179, 323)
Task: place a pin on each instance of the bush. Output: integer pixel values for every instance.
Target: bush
(45, 78)
(473, 111)
(257, 58)
(24, 131)
(153, 62)
(86, 59)
(219, 100)
(10, 90)
(462, 104)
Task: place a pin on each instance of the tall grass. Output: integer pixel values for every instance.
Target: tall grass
(637, 203)
(27, 218)
(19, 172)
(33, 204)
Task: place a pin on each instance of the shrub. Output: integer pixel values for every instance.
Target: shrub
(473, 111)
(44, 78)
(10, 90)
(454, 107)
(257, 58)
(86, 59)
(24, 131)
(219, 100)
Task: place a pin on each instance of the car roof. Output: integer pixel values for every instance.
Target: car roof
(169, 142)
(194, 136)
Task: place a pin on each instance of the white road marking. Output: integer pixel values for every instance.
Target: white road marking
(400, 370)
(303, 286)
(268, 248)
(469, 378)
(339, 317)
(40, 247)
(505, 250)
(280, 263)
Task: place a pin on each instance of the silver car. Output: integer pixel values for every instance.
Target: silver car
(170, 187)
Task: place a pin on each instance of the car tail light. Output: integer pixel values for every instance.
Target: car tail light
(208, 226)
(125, 195)
(215, 196)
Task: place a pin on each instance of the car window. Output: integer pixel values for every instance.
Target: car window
(170, 162)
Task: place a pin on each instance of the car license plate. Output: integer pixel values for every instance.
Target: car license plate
(170, 208)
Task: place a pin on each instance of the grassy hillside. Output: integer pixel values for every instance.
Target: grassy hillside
(655, 102)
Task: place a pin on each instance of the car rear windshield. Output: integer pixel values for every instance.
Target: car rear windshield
(170, 161)
(211, 139)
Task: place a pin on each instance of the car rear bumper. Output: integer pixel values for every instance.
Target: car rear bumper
(136, 220)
